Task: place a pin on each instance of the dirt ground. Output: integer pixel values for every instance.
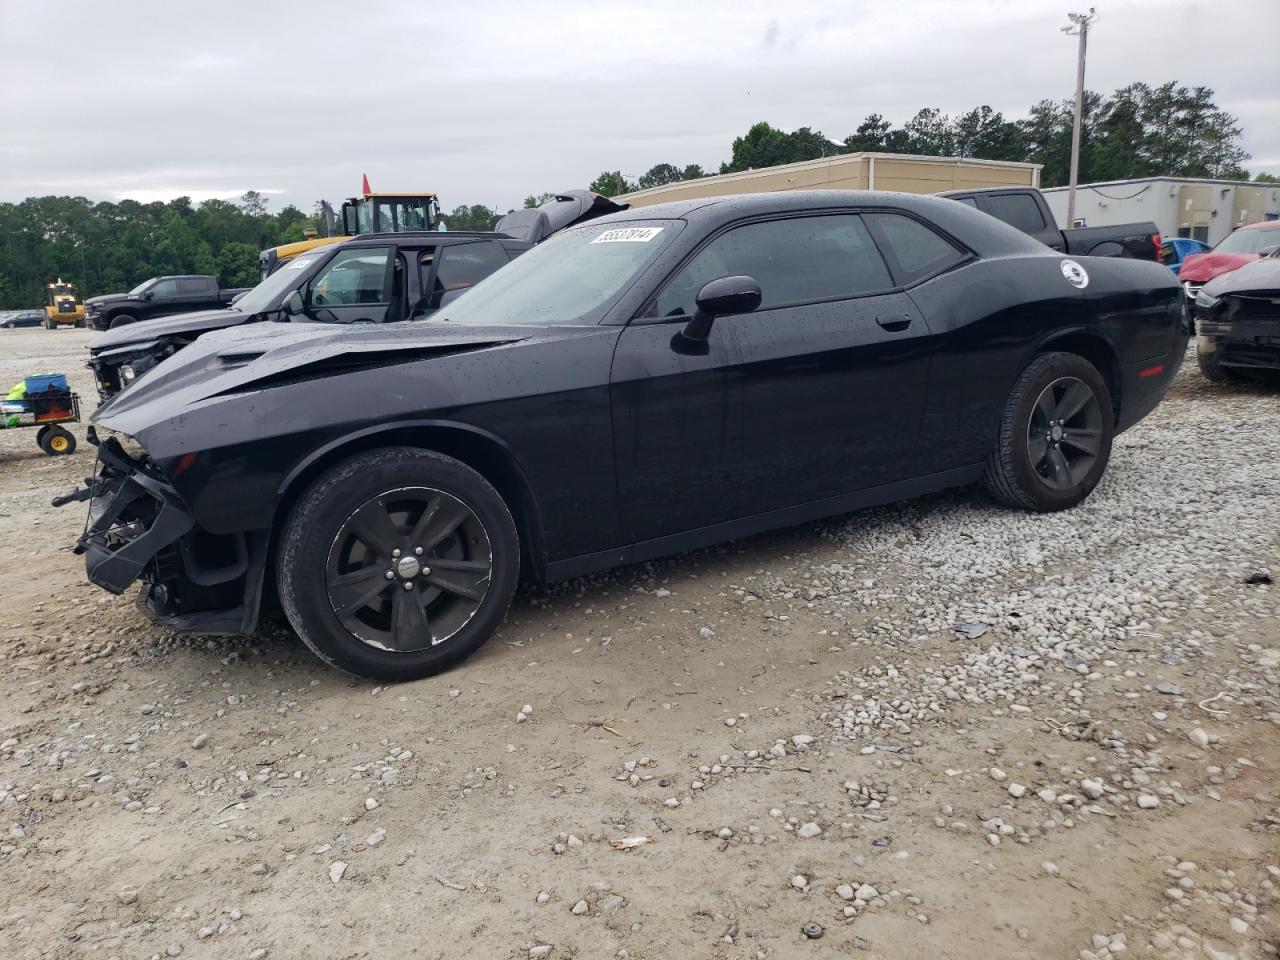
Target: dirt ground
(793, 720)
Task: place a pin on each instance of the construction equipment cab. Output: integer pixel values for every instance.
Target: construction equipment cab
(62, 306)
(370, 213)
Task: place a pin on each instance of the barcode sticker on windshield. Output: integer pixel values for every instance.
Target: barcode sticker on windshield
(299, 264)
(628, 235)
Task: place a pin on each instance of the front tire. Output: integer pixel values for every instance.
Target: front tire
(1055, 435)
(119, 320)
(397, 564)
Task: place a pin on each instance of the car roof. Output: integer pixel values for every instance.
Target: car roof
(438, 237)
(1262, 225)
(981, 232)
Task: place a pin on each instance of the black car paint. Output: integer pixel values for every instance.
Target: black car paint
(615, 442)
(562, 211)
(101, 312)
(147, 343)
(1139, 240)
(1242, 324)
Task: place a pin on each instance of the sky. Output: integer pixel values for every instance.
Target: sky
(489, 101)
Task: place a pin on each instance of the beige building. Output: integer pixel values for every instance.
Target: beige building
(852, 171)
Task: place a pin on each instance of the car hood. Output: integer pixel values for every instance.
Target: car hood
(104, 298)
(257, 356)
(1205, 266)
(1261, 277)
(147, 330)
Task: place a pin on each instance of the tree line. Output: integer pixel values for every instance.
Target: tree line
(1139, 130)
(111, 247)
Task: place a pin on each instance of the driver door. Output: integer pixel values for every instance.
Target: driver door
(359, 285)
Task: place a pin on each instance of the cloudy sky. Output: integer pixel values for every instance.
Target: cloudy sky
(486, 101)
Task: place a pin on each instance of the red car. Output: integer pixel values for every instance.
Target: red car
(1232, 252)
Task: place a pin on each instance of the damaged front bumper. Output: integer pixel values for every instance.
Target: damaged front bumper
(138, 528)
(1251, 344)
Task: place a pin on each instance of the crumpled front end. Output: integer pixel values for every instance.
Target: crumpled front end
(1241, 329)
(139, 529)
(115, 369)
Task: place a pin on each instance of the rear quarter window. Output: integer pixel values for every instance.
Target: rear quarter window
(916, 251)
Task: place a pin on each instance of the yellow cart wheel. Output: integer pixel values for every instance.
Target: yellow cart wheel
(58, 442)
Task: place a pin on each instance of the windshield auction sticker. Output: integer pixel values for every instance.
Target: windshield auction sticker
(299, 264)
(628, 235)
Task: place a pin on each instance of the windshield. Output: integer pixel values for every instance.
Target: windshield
(265, 294)
(400, 216)
(571, 278)
(144, 285)
(1248, 241)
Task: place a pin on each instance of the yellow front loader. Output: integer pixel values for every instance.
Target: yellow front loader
(63, 306)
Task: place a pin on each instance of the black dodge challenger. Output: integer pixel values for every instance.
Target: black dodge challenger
(646, 383)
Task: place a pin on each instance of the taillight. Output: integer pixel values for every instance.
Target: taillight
(1155, 241)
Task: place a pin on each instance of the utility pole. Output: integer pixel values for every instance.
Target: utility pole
(1079, 27)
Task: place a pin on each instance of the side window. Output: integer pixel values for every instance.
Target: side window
(466, 264)
(967, 201)
(353, 277)
(794, 260)
(917, 250)
(196, 286)
(165, 289)
(1018, 210)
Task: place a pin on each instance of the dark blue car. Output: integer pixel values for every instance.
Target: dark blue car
(1176, 249)
(21, 318)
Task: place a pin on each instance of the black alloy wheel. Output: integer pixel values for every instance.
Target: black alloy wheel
(409, 569)
(397, 564)
(1064, 433)
(1054, 438)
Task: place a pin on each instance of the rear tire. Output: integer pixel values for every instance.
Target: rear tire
(1212, 369)
(1055, 435)
(397, 564)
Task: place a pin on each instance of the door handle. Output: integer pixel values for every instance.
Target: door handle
(895, 323)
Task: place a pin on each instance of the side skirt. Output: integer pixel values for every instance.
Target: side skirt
(759, 523)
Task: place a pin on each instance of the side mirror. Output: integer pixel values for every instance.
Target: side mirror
(1269, 251)
(723, 297)
(147, 295)
(294, 305)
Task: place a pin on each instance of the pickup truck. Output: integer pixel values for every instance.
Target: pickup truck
(376, 278)
(1025, 208)
(158, 297)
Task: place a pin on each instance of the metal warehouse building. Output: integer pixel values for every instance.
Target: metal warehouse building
(852, 171)
(1205, 210)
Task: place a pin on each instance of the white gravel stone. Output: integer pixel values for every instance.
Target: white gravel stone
(336, 870)
(1017, 791)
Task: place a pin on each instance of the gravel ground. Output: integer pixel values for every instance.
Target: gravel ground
(938, 729)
